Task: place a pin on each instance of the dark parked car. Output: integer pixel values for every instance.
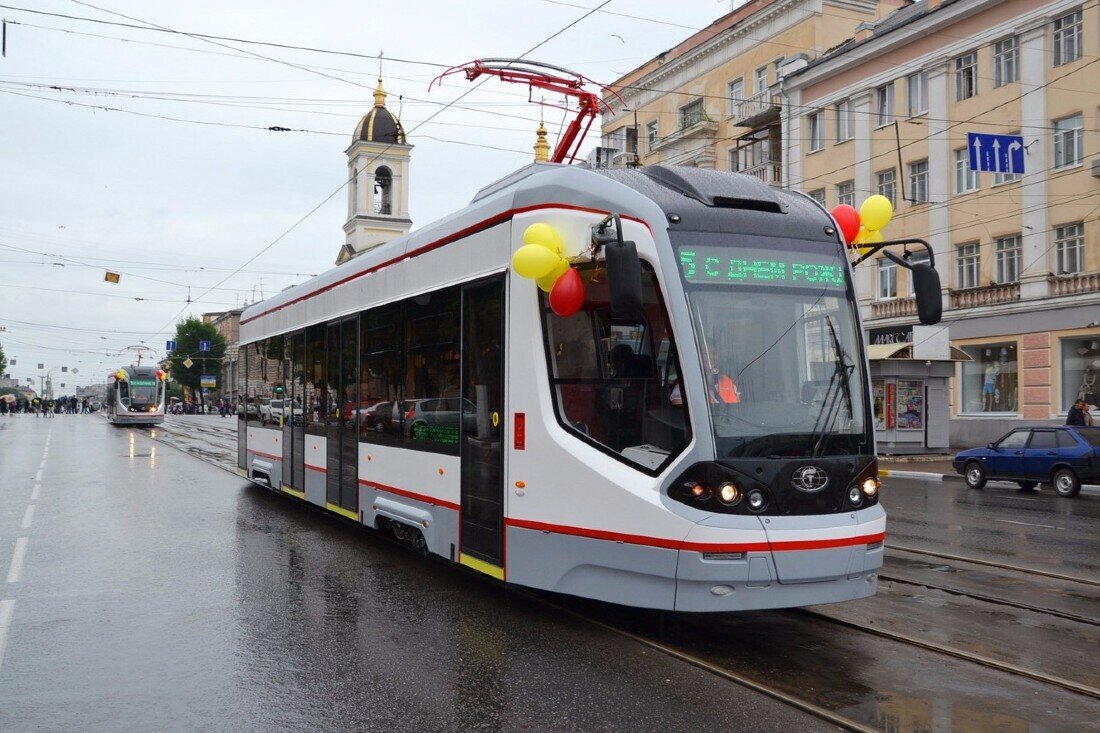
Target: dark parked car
(1064, 457)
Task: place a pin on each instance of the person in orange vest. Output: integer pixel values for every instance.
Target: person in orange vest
(721, 389)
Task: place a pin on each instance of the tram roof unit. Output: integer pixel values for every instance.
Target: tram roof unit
(703, 199)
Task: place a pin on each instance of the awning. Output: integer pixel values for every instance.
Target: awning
(904, 351)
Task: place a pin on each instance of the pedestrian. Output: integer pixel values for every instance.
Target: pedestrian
(1077, 414)
(1088, 414)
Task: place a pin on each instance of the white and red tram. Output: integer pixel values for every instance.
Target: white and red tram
(697, 436)
(135, 395)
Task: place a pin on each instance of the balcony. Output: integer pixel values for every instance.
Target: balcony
(759, 109)
(1087, 282)
(894, 308)
(986, 295)
(700, 131)
(770, 173)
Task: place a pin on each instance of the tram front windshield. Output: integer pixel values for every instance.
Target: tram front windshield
(144, 393)
(778, 337)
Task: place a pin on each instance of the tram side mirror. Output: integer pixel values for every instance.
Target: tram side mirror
(926, 289)
(624, 280)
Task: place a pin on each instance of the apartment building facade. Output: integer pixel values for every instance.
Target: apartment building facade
(1018, 251)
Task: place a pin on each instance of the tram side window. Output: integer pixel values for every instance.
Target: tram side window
(240, 397)
(382, 374)
(615, 384)
(256, 382)
(271, 398)
(433, 411)
(315, 399)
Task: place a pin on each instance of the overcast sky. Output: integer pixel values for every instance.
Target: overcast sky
(176, 205)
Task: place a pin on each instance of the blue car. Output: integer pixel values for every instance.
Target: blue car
(1064, 457)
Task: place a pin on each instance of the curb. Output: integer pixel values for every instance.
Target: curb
(918, 475)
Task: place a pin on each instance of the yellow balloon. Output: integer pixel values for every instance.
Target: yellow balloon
(534, 261)
(543, 235)
(873, 237)
(876, 212)
(546, 282)
(861, 237)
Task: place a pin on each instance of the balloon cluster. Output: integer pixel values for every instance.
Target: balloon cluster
(122, 375)
(540, 259)
(864, 226)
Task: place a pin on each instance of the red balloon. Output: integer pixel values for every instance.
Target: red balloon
(847, 218)
(567, 295)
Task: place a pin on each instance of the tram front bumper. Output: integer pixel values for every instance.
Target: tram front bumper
(782, 562)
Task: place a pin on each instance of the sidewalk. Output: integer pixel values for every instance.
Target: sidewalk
(928, 468)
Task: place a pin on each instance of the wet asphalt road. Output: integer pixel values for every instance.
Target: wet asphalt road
(147, 591)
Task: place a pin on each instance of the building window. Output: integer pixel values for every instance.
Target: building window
(910, 407)
(886, 184)
(651, 135)
(918, 93)
(1069, 248)
(1080, 371)
(918, 182)
(735, 160)
(965, 179)
(989, 382)
(884, 105)
(1006, 61)
(692, 113)
(846, 193)
(845, 125)
(735, 90)
(818, 196)
(968, 258)
(887, 279)
(816, 133)
(1067, 38)
(966, 76)
(916, 258)
(761, 80)
(631, 145)
(1008, 252)
(1068, 139)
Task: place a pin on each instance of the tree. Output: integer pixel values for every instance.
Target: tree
(189, 333)
(3, 359)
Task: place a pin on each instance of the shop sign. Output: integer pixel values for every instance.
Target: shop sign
(890, 335)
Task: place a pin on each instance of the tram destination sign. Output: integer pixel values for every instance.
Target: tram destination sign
(741, 266)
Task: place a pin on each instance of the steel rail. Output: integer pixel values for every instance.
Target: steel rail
(990, 563)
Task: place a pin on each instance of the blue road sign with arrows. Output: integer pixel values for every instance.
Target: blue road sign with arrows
(170, 346)
(204, 346)
(996, 153)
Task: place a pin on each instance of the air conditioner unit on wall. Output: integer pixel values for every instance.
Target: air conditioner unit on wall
(1096, 167)
(602, 157)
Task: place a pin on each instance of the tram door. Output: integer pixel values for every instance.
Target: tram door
(343, 388)
(291, 415)
(481, 453)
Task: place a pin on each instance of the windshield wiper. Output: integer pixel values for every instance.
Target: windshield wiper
(833, 399)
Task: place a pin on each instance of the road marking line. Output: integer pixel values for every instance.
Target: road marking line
(42, 464)
(1026, 524)
(38, 475)
(16, 569)
(34, 492)
(7, 607)
(28, 517)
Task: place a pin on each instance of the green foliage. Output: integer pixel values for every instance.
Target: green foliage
(188, 335)
(3, 359)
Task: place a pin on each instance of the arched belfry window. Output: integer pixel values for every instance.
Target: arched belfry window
(383, 191)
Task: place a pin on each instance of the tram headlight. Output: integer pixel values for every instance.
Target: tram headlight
(757, 500)
(855, 497)
(729, 493)
(871, 486)
(696, 490)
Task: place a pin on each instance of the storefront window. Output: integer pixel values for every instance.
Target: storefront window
(910, 405)
(878, 399)
(990, 381)
(1080, 371)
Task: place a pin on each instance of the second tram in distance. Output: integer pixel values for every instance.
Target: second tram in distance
(135, 396)
(696, 437)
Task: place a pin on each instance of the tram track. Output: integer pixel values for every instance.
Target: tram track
(992, 564)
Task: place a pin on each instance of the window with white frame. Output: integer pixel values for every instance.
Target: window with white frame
(735, 90)
(845, 124)
(651, 135)
(818, 195)
(999, 177)
(887, 279)
(966, 76)
(916, 258)
(965, 179)
(918, 93)
(884, 105)
(1006, 61)
(1067, 38)
(1008, 253)
(918, 182)
(631, 144)
(886, 184)
(760, 79)
(692, 113)
(815, 131)
(1068, 139)
(1069, 248)
(735, 159)
(846, 193)
(968, 258)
